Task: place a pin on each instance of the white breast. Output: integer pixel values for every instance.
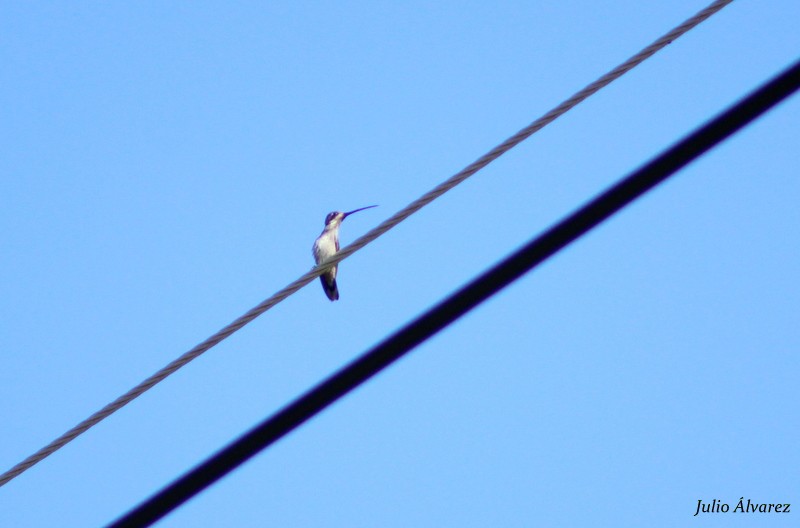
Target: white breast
(325, 246)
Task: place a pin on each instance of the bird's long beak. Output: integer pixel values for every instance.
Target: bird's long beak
(357, 210)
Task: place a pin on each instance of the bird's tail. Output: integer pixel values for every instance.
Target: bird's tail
(329, 285)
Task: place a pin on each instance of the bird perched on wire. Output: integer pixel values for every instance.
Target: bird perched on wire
(326, 245)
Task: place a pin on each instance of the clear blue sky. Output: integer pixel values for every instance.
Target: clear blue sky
(166, 166)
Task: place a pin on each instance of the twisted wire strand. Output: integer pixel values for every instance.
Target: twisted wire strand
(359, 243)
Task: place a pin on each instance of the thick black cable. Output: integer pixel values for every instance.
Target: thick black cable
(477, 291)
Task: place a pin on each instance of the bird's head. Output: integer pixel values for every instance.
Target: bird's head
(335, 218)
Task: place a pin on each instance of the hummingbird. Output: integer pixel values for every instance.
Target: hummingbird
(326, 245)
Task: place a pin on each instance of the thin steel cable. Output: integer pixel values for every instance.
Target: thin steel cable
(486, 285)
(364, 240)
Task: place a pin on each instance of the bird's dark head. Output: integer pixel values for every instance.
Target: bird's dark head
(336, 216)
(333, 216)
